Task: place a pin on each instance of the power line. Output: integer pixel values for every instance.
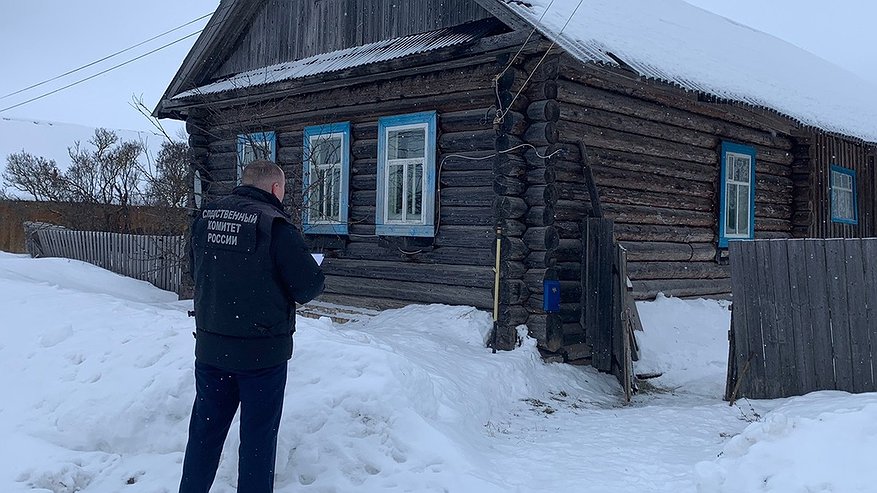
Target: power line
(101, 73)
(106, 57)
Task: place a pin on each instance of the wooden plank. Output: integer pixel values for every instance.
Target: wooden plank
(857, 312)
(802, 330)
(766, 300)
(742, 300)
(817, 290)
(754, 384)
(869, 252)
(838, 310)
(787, 362)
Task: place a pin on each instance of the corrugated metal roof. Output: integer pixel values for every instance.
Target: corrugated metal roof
(357, 56)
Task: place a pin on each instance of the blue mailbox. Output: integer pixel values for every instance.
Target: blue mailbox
(551, 296)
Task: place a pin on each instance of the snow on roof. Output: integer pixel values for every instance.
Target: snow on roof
(380, 51)
(673, 41)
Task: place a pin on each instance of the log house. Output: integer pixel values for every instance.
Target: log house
(416, 134)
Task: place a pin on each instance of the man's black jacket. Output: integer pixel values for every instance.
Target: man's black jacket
(250, 266)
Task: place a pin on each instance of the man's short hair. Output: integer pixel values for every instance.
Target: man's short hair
(262, 174)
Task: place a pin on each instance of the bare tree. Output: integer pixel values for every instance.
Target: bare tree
(168, 181)
(35, 175)
(106, 172)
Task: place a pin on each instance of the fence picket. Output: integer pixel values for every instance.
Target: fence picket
(736, 252)
(860, 348)
(802, 330)
(788, 368)
(817, 289)
(869, 253)
(838, 311)
(767, 307)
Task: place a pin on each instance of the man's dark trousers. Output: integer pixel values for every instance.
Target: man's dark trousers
(260, 395)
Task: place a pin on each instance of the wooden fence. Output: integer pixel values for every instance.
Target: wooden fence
(155, 259)
(804, 317)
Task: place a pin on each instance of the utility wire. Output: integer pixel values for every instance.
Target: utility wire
(102, 72)
(65, 74)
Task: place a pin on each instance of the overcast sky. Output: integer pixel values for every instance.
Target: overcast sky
(45, 38)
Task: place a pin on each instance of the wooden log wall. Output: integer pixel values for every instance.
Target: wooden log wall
(820, 154)
(655, 154)
(454, 267)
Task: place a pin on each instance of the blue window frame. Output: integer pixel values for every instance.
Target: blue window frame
(326, 178)
(260, 145)
(737, 193)
(406, 175)
(844, 199)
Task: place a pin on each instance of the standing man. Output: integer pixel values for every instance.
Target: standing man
(251, 267)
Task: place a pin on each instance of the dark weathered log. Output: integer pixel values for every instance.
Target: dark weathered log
(540, 91)
(464, 216)
(199, 140)
(541, 238)
(508, 185)
(540, 216)
(683, 288)
(569, 250)
(542, 134)
(569, 229)
(656, 215)
(512, 269)
(512, 123)
(633, 125)
(766, 224)
(513, 249)
(475, 140)
(418, 292)
(477, 178)
(651, 233)
(538, 69)
(649, 182)
(466, 236)
(225, 145)
(648, 165)
(467, 197)
(509, 207)
(364, 167)
(666, 251)
(364, 149)
(547, 329)
(571, 191)
(677, 270)
(362, 198)
(511, 227)
(370, 250)
(535, 277)
(365, 130)
(363, 182)
(583, 95)
(544, 110)
(611, 195)
(619, 81)
(466, 161)
(455, 275)
(541, 175)
(290, 155)
(512, 291)
(571, 210)
(537, 195)
(197, 153)
(467, 120)
(513, 315)
(509, 164)
(540, 260)
(626, 142)
(505, 142)
(225, 160)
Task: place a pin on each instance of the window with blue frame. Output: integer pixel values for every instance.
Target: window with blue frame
(260, 145)
(406, 175)
(326, 178)
(844, 206)
(737, 193)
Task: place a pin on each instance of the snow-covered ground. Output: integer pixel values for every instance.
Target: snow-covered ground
(96, 372)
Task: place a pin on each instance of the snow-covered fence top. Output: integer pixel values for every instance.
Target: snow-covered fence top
(803, 317)
(155, 259)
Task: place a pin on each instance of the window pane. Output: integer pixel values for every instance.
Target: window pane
(415, 191)
(325, 150)
(741, 169)
(406, 144)
(394, 193)
(731, 206)
(742, 209)
(335, 209)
